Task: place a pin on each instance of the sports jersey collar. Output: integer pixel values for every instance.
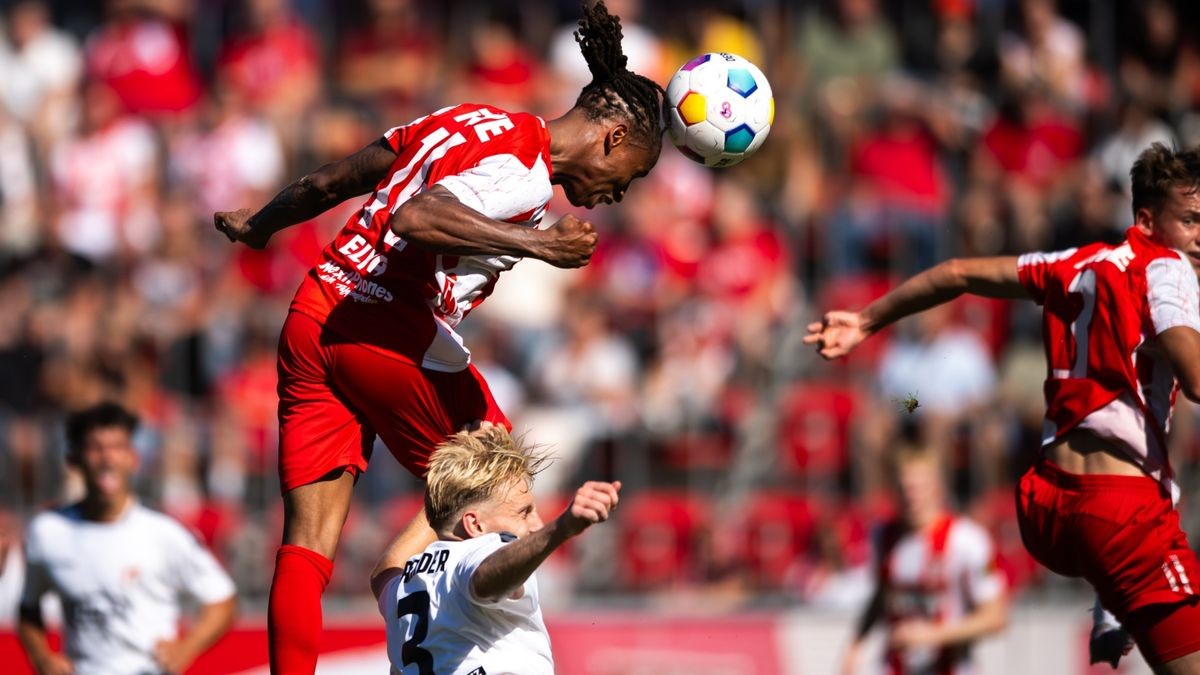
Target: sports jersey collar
(1139, 239)
(544, 138)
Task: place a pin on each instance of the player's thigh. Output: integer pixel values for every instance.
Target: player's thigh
(1168, 636)
(1138, 556)
(320, 431)
(411, 408)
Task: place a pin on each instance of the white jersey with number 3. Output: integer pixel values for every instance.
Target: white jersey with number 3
(435, 624)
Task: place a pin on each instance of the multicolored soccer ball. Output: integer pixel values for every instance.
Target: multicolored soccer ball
(719, 109)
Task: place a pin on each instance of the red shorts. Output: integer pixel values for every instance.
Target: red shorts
(335, 395)
(1122, 534)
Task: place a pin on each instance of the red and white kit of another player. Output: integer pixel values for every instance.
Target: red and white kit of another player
(1103, 307)
(938, 575)
(376, 317)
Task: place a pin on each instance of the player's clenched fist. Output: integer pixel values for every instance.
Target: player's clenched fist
(236, 226)
(569, 243)
(837, 334)
(593, 503)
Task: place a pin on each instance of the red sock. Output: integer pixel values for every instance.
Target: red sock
(294, 613)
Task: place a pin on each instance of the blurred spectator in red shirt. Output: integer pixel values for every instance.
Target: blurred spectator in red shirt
(273, 64)
(141, 53)
(1031, 143)
(391, 60)
(500, 70)
(899, 193)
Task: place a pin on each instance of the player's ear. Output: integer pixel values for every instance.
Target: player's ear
(1144, 220)
(472, 524)
(615, 136)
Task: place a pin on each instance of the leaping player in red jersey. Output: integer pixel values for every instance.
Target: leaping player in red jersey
(369, 345)
(1121, 326)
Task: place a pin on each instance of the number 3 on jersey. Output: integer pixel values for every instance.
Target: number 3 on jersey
(1084, 284)
(416, 604)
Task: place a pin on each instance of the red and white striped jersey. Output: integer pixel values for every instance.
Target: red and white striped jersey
(940, 575)
(370, 286)
(1103, 305)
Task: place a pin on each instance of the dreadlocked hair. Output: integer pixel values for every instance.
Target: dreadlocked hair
(615, 91)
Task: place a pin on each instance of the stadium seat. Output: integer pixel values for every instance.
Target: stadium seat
(814, 431)
(777, 532)
(660, 538)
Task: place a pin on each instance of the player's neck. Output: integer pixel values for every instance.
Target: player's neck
(565, 135)
(104, 509)
(923, 521)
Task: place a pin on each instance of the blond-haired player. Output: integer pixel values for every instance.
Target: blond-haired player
(469, 603)
(937, 586)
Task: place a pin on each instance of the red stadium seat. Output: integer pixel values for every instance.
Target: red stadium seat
(814, 431)
(660, 534)
(777, 532)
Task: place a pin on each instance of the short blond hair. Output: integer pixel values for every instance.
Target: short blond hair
(906, 454)
(474, 466)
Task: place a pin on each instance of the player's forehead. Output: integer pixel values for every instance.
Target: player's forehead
(107, 435)
(516, 494)
(1184, 198)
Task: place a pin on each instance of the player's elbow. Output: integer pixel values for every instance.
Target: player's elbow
(414, 216)
(954, 272)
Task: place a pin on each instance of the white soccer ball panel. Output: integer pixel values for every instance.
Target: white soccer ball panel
(708, 78)
(726, 110)
(676, 129)
(758, 110)
(678, 87)
(759, 138)
(705, 140)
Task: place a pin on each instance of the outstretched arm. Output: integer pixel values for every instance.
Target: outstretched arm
(504, 572)
(309, 196)
(437, 221)
(996, 277)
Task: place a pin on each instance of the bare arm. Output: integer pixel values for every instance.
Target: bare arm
(31, 631)
(504, 572)
(309, 196)
(871, 614)
(437, 221)
(213, 621)
(996, 277)
(1182, 347)
(417, 535)
(987, 618)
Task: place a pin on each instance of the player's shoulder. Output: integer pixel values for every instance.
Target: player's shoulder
(968, 534)
(54, 521)
(147, 519)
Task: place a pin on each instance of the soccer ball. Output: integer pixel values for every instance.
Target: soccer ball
(719, 109)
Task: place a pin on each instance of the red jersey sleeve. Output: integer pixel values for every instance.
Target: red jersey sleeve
(1034, 270)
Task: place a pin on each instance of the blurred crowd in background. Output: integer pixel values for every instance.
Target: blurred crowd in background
(907, 131)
